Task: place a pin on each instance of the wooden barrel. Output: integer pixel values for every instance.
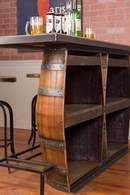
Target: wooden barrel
(50, 111)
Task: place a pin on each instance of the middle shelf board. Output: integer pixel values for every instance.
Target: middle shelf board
(78, 113)
(117, 103)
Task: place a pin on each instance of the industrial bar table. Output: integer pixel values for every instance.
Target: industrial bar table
(82, 106)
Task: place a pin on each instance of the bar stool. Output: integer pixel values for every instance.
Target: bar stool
(33, 122)
(5, 140)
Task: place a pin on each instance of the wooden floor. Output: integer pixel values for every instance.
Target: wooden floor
(114, 181)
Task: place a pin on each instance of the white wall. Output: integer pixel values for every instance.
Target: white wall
(20, 93)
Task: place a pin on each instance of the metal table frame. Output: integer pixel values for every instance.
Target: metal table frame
(44, 167)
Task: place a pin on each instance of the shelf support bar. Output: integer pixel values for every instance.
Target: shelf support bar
(104, 58)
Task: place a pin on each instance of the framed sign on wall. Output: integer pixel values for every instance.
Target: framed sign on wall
(26, 9)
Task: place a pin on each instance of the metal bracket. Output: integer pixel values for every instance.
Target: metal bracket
(52, 143)
(104, 66)
(51, 92)
(52, 67)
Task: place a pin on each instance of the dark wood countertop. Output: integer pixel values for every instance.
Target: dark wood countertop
(59, 40)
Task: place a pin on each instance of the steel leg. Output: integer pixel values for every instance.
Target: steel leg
(11, 126)
(33, 121)
(41, 184)
(5, 133)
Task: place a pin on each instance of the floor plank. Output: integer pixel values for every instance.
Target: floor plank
(114, 181)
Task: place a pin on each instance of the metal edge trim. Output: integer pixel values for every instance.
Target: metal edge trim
(52, 67)
(51, 92)
(52, 143)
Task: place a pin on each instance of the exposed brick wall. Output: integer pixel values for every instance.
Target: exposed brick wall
(8, 23)
(110, 20)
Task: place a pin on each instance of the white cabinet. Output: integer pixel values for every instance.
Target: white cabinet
(20, 93)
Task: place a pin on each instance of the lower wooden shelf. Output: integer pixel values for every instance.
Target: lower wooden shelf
(115, 147)
(78, 169)
(97, 169)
